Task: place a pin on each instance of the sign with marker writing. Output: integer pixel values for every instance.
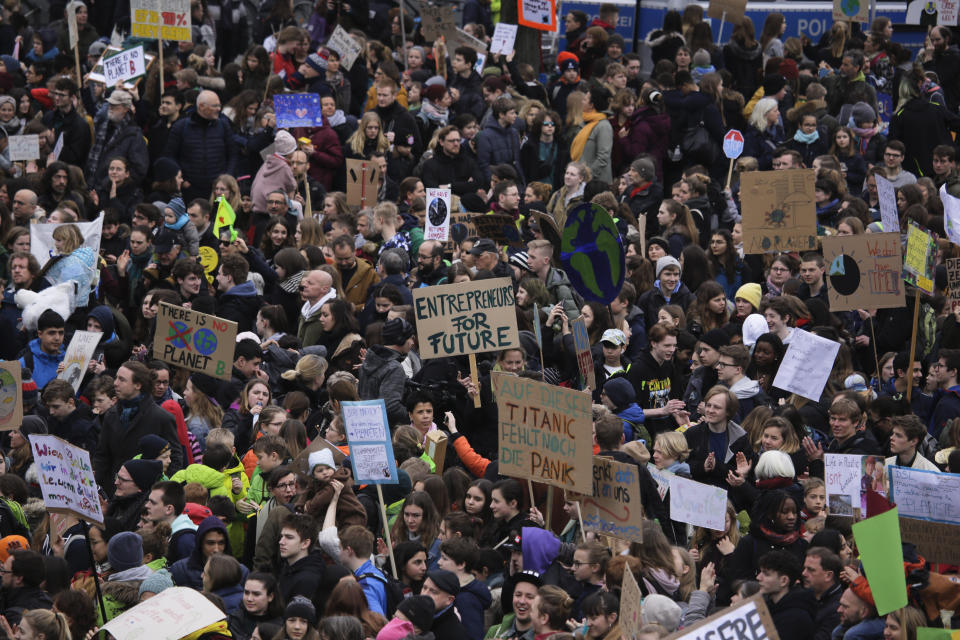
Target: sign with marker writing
(631, 606)
(24, 148)
(344, 44)
(937, 542)
(864, 271)
(806, 365)
(702, 505)
(368, 434)
(848, 478)
(129, 63)
(926, 495)
(298, 110)
(66, 477)
(438, 215)
(953, 282)
(746, 620)
(538, 14)
(546, 432)
(363, 182)
(581, 343)
(459, 319)
(504, 36)
(614, 508)
(163, 19)
(197, 341)
(779, 211)
(172, 614)
(919, 259)
(78, 355)
(889, 212)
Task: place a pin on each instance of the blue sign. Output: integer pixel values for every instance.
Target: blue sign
(297, 110)
(592, 253)
(368, 434)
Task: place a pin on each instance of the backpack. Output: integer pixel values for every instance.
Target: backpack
(393, 588)
(696, 145)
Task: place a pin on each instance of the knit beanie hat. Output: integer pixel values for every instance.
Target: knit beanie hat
(751, 292)
(620, 392)
(661, 610)
(397, 629)
(773, 83)
(180, 210)
(104, 318)
(205, 384)
(152, 446)
(125, 551)
(284, 144)
(144, 473)
(300, 607)
(567, 60)
(165, 169)
(701, 58)
(715, 338)
(322, 457)
(863, 113)
(396, 332)
(28, 388)
(668, 261)
(156, 582)
(317, 62)
(33, 425)
(419, 610)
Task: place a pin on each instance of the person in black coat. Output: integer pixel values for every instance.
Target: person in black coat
(774, 526)
(656, 382)
(791, 607)
(442, 586)
(450, 166)
(118, 136)
(845, 415)
(302, 565)
(202, 143)
(715, 442)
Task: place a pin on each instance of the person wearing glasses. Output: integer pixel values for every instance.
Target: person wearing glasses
(733, 362)
(118, 136)
(203, 147)
(65, 121)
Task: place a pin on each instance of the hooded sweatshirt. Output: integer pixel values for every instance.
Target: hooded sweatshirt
(472, 600)
(749, 394)
(188, 572)
(275, 174)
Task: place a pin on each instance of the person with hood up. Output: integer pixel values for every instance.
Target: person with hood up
(211, 538)
(792, 607)
(618, 396)
(569, 66)
(112, 350)
(132, 488)
(743, 58)
(275, 174)
(121, 591)
(382, 375)
(731, 367)
(667, 289)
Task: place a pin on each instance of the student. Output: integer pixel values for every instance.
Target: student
(356, 548)
(780, 318)
(667, 289)
(589, 565)
(66, 420)
(905, 436)
(653, 377)
(210, 473)
(791, 606)
(731, 365)
(301, 565)
(44, 353)
(271, 452)
(458, 555)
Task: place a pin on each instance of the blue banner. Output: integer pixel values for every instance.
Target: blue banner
(368, 434)
(297, 110)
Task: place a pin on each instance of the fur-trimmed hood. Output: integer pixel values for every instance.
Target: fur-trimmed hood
(807, 107)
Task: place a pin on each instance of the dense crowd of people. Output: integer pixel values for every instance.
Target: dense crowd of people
(241, 486)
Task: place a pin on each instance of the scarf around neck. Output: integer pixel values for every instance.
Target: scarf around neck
(591, 119)
(129, 410)
(806, 138)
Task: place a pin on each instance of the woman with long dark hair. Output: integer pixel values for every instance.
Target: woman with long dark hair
(743, 57)
(728, 269)
(540, 154)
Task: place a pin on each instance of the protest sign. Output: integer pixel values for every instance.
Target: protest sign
(929, 633)
(58, 147)
(461, 228)
(748, 619)
(504, 35)
(887, 197)
(881, 554)
(926, 495)
(848, 478)
(66, 477)
(851, 11)
(546, 432)
(918, 261)
(499, 227)
(935, 541)
(43, 247)
(24, 148)
(97, 75)
(951, 215)
(11, 395)
(196, 341)
(701, 505)
(538, 14)
(864, 271)
(459, 319)
(779, 211)
(660, 476)
(436, 20)
(460, 38)
(172, 614)
(581, 343)
(77, 357)
(345, 45)
(438, 215)
(953, 282)
(614, 507)
(592, 253)
(129, 63)
(297, 110)
(371, 450)
(947, 11)
(806, 365)
(734, 10)
(161, 19)
(631, 609)
(363, 183)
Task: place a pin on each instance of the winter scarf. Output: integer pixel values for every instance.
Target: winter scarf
(781, 539)
(806, 138)
(863, 136)
(135, 269)
(827, 206)
(773, 289)
(433, 113)
(129, 410)
(292, 283)
(592, 119)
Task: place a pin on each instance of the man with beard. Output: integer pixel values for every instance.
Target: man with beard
(358, 276)
(449, 167)
(430, 261)
(65, 121)
(944, 59)
(132, 486)
(55, 187)
(118, 137)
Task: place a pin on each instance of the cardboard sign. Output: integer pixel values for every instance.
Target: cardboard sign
(172, 614)
(702, 505)
(461, 228)
(436, 20)
(935, 541)
(161, 19)
(734, 10)
(460, 38)
(881, 554)
(66, 477)
(96, 74)
(953, 282)
(297, 110)
(24, 148)
(363, 183)
(371, 450)
(344, 44)
(851, 11)
(538, 14)
(129, 63)
(887, 197)
(438, 215)
(43, 247)
(806, 365)
(918, 262)
(458, 319)
(581, 342)
(951, 215)
(546, 432)
(848, 478)
(435, 446)
(864, 271)
(926, 495)
(631, 609)
(72, 32)
(614, 508)
(196, 341)
(301, 463)
(592, 253)
(11, 395)
(504, 36)
(499, 227)
(77, 357)
(779, 211)
(746, 620)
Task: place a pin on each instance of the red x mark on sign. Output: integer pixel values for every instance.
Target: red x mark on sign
(183, 336)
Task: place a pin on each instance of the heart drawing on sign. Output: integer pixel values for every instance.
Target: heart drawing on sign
(302, 112)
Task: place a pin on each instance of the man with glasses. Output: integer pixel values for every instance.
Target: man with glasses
(282, 485)
(948, 406)
(893, 155)
(731, 365)
(64, 120)
(450, 168)
(131, 488)
(202, 144)
(430, 269)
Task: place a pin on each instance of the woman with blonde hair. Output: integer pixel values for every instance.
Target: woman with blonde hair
(226, 186)
(367, 138)
(73, 262)
(40, 624)
(309, 233)
(765, 133)
(902, 624)
(575, 178)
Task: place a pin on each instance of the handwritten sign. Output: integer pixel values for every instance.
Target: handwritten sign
(701, 505)
(97, 73)
(436, 20)
(631, 609)
(926, 495)
(864, 271)
(779, 211)
(345, 45)
(947, 11)
(24, 148)
(727, 10)
(918, 263)
(747, 620)
(887, 197)
(77, 357)
(951, 215)
(546, 432)
(661, 477)
(806, 365)
(504, 36)
(363, 183)
(499, 227)
(129, 63)
(953, 282)
(438, 215)
(161, 19)
(196, 341)
(458, 319)
(368, 433)
(66, 477)
(581, 343)
(298, 110)
(11, 396)
(172, 614)
(538, 14)
(614, 508)
(937, 542)
(851, 11)
(848, 478)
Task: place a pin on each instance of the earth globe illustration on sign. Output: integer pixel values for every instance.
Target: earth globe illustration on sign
(850, 7)
(592, 253)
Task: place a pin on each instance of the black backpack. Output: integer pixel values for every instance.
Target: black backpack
(393, 589)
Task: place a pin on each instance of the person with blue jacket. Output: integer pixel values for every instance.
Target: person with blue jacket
(619, 396)
(211, 538)
(356, 547)
(44, 353)
(73, 261)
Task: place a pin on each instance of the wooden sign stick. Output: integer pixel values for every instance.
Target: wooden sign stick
(730, 170)
(913, 345)
(386, 531)
(475, 377)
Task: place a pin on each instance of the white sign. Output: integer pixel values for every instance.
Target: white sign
(438, 215)
(747, 620)
(78, 355)
(887, 198)
(661, 477)
(344, 44)
(72, 23)
(24, 148)
(926, 495)
(702, 505)
(504, 36)
(58, 148)
(127, 64)
(733, 144)
(172, 614)
(43, 247)
(806, 365)
(66, 477)
(481, 60)
(841, 474)
(951, 215)
(947, 12)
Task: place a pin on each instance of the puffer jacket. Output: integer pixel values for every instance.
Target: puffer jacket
(204, 149)
(498, 145)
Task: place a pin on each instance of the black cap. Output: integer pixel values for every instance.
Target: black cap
(419, 611)
(483, 245)
(164, 241)
(529, 576)
(445, 580)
